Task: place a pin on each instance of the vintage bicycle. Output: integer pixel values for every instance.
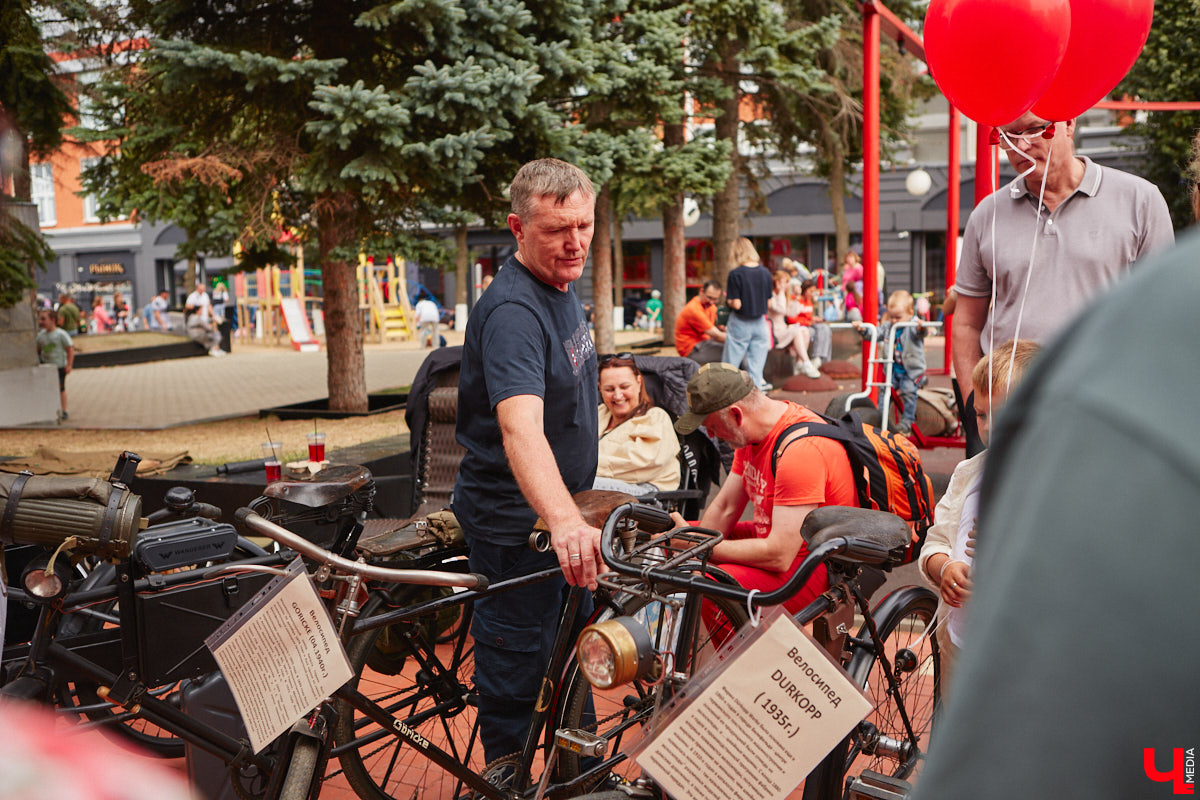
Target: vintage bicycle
(893, 655)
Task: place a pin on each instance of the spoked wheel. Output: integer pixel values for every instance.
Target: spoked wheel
(146, 735)
(621, 712)
(894, 738)
(428, 687)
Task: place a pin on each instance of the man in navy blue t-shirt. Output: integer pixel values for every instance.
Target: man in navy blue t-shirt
(527, 400)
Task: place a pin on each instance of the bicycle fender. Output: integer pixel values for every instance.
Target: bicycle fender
(860, 663)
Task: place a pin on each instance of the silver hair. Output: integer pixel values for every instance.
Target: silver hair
(547, 177)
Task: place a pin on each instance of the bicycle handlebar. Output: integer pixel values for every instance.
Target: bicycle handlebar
(689, 582)
(262, 526)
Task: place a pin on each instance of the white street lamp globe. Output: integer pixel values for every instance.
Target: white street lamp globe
(918, 183)
(691, 212)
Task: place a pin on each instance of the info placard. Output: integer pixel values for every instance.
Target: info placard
(280, 655)
(761, 723)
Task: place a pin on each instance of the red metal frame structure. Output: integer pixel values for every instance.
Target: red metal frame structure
(879, 20)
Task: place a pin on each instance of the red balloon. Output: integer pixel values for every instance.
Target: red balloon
(994, 58)
(1106, 38)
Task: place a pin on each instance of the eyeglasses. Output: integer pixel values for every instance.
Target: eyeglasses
(607, 357)
(1008, 140)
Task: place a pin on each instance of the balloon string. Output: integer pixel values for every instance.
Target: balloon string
(1037, 226)
(1015, 192)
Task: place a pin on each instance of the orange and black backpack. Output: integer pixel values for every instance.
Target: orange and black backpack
(887, 469)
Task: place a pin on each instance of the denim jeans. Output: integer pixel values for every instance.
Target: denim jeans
(907, 389)
(514, 635)
(822, 342)
(749, 339)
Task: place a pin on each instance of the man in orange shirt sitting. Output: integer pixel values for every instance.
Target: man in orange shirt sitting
(812, 471)
(696, 333)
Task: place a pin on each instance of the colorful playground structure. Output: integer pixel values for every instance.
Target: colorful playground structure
(383, 295)
(283, 304)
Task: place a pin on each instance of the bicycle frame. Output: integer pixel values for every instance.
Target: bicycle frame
(831, 616)
(47, 661)
(545, 709)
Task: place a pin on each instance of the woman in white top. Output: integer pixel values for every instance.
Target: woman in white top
(639, 451)
(790, 335)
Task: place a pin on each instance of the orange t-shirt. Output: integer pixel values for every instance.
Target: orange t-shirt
(691, 324)
(812, 471)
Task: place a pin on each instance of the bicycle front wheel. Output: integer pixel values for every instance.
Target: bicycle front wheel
(421, 682)
(621, 712)
(298, 783)
(894, 737)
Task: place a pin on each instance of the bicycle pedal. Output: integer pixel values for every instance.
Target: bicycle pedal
(874, 786)
(581, 742)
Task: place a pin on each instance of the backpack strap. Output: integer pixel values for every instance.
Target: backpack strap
(814, 429)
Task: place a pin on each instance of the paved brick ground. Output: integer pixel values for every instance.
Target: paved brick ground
(161, 394)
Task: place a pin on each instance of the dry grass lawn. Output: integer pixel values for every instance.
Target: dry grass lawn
(218, 442)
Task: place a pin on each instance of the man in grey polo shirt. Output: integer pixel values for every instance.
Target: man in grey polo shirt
(1094, 223)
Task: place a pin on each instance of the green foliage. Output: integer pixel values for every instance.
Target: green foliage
(825, 113)
(30, 96)
(1168, 70)
(21, 248)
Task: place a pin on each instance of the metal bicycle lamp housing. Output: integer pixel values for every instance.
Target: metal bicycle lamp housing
(43, 582)
(614, 652)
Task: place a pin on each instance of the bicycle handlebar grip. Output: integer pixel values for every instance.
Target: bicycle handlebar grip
(234, 467)
(241, 516)
(654, 520)
(206, 510)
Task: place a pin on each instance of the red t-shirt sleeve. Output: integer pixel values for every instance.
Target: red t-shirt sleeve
(814, 471)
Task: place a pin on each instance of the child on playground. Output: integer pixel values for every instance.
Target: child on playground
(908, 354)
(427, 315)
(946, 556)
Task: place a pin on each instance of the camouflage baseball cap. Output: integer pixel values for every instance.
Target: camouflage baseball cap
(714, 387)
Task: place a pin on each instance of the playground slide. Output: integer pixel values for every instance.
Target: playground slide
(297, 325)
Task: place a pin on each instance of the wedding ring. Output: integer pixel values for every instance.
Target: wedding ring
(576, 557)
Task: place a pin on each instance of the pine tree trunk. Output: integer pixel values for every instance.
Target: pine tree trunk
(727, 202)
(346, 365)
(837, 194)
(602, 272)
(22, 178)
(674, 248)
(618, 256)
(462, 271)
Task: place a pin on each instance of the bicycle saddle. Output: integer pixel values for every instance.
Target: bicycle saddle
(880, 527)
(595, 505)
(327, 486)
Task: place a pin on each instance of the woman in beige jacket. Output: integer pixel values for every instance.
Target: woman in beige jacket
(639, 451)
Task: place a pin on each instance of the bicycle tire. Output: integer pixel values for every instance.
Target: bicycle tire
(619, 714)
(904, 620)
(301, 768)
(388, 768)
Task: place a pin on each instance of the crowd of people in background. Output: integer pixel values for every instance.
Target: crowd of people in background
(798, 304)
(115, 314)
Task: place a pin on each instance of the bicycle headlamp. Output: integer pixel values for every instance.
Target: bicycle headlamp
(614, 652)
(45, 578)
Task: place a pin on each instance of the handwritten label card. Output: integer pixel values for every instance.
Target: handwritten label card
(281, 655)
(760, 725)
